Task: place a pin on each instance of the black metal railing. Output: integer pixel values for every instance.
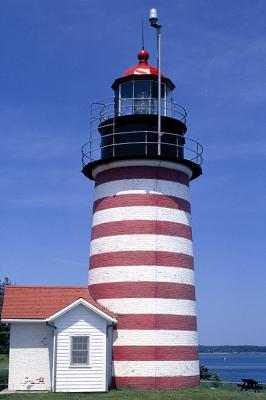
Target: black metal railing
(118, 106)
(140, 143)
(109, 140)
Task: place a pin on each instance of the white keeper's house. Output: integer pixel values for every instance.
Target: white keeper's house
(61, 339)
(134, 325)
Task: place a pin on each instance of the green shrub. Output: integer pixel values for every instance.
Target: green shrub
(207, 375)
(3, 376)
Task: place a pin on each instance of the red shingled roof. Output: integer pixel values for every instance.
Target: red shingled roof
(40, 302)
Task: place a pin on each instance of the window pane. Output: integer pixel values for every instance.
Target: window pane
(83, 357)
(126, 106)
(154, 90)
(142, 89)
(79, 349)
(84, 346)
(127, 90)
(168, 92)
(142, 97)
(162, 90)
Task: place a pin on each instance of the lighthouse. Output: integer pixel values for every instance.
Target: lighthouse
(141, 259)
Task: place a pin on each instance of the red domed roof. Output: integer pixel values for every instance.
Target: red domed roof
(143, 67)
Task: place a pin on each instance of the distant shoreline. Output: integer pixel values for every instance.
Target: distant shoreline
(226, 349)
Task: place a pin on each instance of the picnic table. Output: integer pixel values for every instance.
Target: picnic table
(250, 384)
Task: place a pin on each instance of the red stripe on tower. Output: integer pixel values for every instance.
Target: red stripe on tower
(139, 172)
(141, 199)
(148, 382)
(141, 227)
(131, 258)
(157, 321)
(163, 290)
(155, 353)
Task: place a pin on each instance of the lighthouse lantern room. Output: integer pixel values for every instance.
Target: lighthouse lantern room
(126, 124)
(141, 258)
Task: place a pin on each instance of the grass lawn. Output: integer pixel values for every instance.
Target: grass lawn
(204, 392)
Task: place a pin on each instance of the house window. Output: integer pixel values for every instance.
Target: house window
(80, 350)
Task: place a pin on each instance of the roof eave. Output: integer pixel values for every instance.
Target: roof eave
(84, 303)
(153, 77)
(12, 320)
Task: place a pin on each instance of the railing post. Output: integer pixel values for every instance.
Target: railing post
(159, 88)
(146, 144)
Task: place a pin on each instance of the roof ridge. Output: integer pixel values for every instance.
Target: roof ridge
(46, 286)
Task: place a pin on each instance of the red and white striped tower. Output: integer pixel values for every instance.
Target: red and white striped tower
(141, 258)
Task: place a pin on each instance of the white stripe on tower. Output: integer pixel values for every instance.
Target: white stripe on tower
(151, 305)
(141, 186)
(139, 242)
(163, 368)
(141, 268)
(155, 338)
(149, 213)
(142, 273)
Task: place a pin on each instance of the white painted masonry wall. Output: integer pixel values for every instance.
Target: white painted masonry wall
(30, 357)
(92, 378)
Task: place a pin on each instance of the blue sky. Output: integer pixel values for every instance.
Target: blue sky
(57, 56)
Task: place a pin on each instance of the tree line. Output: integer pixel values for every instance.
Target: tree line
(4, 328)
(232, 349)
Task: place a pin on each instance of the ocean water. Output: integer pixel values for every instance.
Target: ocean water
(232, 367)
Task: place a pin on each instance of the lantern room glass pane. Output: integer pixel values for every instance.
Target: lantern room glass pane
(154, 90)
(126, 106)
(170, 111)
(142, 97)
(127, 90)
(154, 95)
(142, 89)
(168, 93)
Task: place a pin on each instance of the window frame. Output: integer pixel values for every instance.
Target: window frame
(79, 365)
(121, 106)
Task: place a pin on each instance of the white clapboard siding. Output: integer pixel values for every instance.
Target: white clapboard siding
(92, 378)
